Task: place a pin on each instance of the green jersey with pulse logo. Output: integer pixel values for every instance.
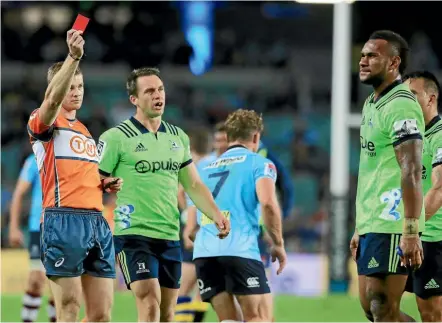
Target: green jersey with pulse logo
(149, 164)
(392, 119)
(432, 158)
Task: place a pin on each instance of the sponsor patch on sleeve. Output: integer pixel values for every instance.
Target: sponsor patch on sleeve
(100, 148)
(270, 170)
(405, 128)
(438, 156)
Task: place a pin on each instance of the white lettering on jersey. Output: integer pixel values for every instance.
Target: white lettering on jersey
(227, 161)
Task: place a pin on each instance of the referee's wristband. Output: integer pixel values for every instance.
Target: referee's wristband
(74, 58)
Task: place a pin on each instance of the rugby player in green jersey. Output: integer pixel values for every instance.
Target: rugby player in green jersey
(153, 157)
(427, 280)
(389, 201)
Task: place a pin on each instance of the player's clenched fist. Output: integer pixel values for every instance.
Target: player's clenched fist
(354, 244)
(223, 225)
(412, 252)
(75, 43)
(15, 237)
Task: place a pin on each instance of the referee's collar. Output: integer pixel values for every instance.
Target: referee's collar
(143, 129)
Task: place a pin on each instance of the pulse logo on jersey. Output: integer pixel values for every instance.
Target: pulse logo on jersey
(144, 166)
(124, 215)
(424, 172)
(368, 147)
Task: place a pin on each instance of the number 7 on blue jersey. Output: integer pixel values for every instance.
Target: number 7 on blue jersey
(222, 179)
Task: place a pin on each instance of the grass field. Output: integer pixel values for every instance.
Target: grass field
(287, 309)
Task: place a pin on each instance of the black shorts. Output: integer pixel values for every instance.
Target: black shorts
(235, 275)
(142, 258)
(427, 280)
(34, 245)
(377, 255)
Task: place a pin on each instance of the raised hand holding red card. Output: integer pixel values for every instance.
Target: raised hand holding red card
(80, 23)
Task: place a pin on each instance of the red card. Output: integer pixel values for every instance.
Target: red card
(80, 23)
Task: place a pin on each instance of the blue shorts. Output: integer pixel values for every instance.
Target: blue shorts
(76, 242)
(376, 255)
(142, 258)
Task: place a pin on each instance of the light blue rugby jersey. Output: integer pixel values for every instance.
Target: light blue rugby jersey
(30, 174)
(232, 179)
(203, 162)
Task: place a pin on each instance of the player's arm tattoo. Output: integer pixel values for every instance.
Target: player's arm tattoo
(409, 158)
(433, 198)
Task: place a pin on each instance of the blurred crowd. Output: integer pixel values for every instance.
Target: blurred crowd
(297, 122)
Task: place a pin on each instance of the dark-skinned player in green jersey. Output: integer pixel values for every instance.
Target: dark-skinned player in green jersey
(153, 157)
(389, 202)
(427, 280)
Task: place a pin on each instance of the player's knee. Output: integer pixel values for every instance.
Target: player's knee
(70, 305)
(103, 316)
(36, 282)
(167, 315)
(149, 303)
(253, 314)
(378, 305)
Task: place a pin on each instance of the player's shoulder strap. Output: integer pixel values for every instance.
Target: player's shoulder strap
(398, 92)
(127, 129)
(171, 129)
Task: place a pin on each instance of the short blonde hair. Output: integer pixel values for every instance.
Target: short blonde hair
(55, 68)
(243, 124)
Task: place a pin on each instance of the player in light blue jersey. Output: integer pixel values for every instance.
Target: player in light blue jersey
(239, 179)
(29, 179)
(286, 194)
(192, 309)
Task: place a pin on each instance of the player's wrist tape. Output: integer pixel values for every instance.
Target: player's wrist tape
(74, 58)
(411, 227)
